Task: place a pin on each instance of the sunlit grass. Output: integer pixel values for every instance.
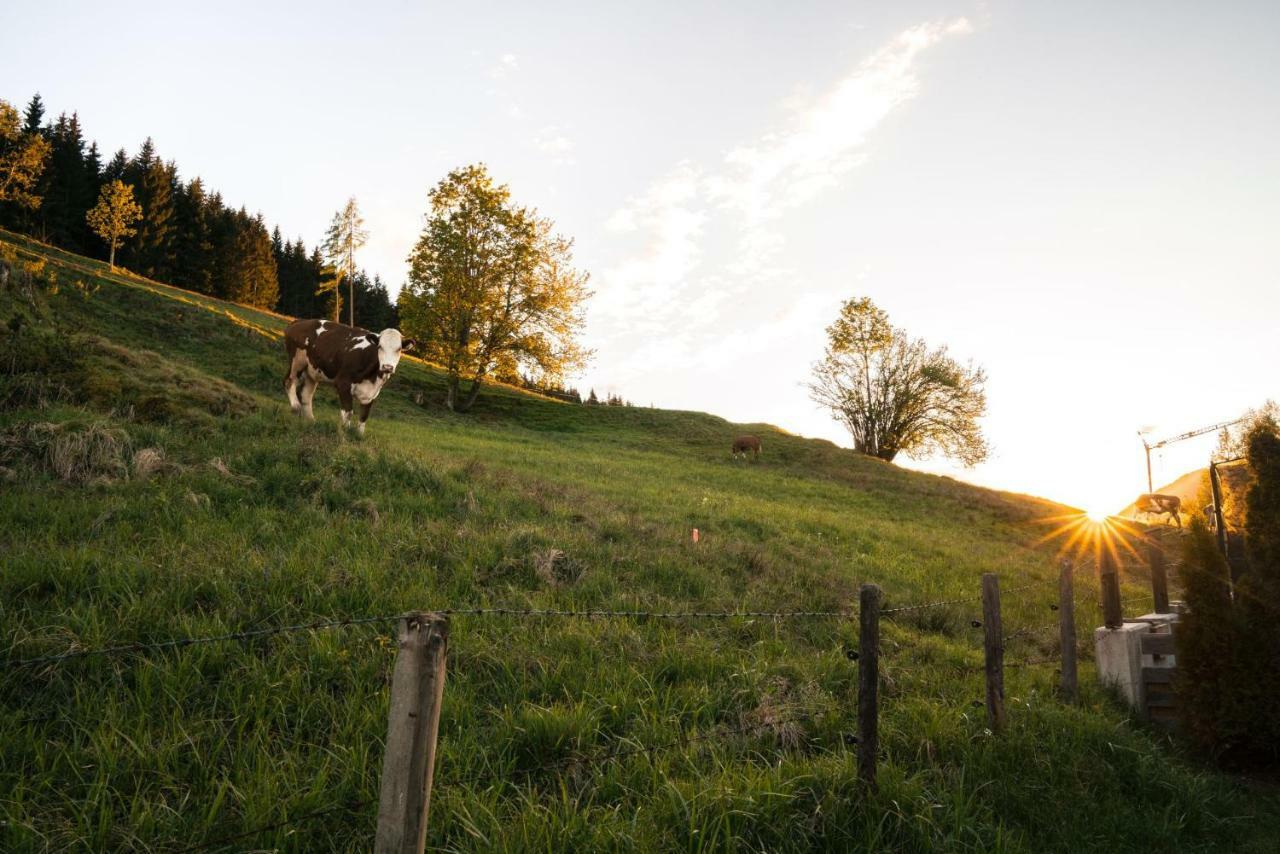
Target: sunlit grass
(529, 503)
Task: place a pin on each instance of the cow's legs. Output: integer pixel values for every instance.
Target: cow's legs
(291, 389)
(297, 373)
(344, 401)
(306, 395)
(364, 416)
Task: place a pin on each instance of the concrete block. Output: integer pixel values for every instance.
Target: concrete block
(1118, 653)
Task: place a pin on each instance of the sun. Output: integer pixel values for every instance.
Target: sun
(1097, 516)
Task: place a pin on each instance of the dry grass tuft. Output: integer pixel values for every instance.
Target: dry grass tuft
(365, 508)
(555, 568)
(148, 462)
(90, 454)
(221, 468)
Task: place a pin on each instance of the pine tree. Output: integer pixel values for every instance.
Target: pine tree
(153, 251)
(34, 116)
(249, 276)
(193, 243)
(117, 168)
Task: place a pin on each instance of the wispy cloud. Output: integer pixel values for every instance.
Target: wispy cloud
(506, 64)
(704, 238)
(555, 142)
(758, 182)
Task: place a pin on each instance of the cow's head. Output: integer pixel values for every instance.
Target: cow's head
(390, 346)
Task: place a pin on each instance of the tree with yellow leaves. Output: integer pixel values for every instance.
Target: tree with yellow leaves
(492, 289)
(22, 157)
(112, 218)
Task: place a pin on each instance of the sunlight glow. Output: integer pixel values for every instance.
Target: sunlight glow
(1083, 536)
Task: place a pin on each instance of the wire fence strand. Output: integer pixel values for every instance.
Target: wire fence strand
(522, 613)
(351, 806)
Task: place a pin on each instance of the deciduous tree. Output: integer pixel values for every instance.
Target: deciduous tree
(112, 218)
(22, 158)
(894, 393)
(492, 287)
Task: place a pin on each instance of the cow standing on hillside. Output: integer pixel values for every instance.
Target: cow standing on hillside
(357, 362)
(744, 445)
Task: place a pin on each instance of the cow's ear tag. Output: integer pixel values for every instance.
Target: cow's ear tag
(408, 344)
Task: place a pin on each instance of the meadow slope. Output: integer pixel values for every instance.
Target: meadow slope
(156, 486)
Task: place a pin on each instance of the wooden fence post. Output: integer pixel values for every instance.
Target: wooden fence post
(1109, 586)
(1159, 577)
(868, 683)
(417, 688)
(1067, 629)
(993, 633)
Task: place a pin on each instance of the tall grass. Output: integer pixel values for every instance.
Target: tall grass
(247, 518)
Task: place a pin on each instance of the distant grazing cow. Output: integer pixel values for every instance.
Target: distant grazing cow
(744, 444)
(1153, 503)
(356, 361)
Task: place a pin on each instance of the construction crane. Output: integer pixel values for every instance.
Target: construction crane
(1190, 434)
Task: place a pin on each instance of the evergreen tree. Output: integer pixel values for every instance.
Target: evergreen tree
(249, 276)
(34, 115)
(193, 242)
(117, 168)
(153, 252)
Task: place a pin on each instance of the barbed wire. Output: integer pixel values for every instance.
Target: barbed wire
(1031, 662)
(1029, 630)
(350, 806)
(753, 728)
(250, 634)
(149, 646)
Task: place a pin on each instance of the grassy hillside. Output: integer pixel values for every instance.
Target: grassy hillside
(155, 486)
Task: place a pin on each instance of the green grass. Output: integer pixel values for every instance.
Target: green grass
(251, 518)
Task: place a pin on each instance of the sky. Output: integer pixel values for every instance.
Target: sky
(1081, 197)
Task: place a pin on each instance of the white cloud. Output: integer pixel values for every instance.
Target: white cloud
(823, 139)
(505, 65)
(669, 217)
(690, 290)
(755, 183)
(554, 142)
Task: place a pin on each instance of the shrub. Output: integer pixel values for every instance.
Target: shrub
(1229, 649)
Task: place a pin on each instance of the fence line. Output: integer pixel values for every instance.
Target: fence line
(251, 634)
(351, 806)
(416, 707)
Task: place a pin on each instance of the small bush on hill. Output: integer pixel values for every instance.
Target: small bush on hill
(1229, 647)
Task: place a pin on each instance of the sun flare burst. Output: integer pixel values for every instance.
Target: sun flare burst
(1086, 534)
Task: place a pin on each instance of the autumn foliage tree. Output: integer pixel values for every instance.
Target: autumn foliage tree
(894, 393)
(22, 158)
(113, 217)
(492, 288)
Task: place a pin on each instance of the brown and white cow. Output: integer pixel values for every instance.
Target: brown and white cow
(744, 445)
(358, 363)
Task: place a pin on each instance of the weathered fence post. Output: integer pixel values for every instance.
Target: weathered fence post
(1159, 578)
(1067, 629)
(417, 688)
(993, 648)
(868, 683)
(1109, 587)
